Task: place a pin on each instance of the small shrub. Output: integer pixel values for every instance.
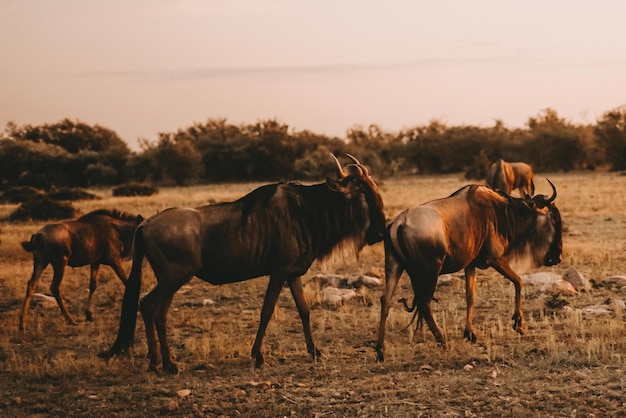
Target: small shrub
(71, 194)
(20, 194)
(135, 189)
(43, 210)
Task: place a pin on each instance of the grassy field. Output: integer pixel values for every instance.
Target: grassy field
(570, 363)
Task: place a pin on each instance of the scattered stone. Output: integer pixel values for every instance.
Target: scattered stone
(336, 296)
(597, 309)
(577, 280)
(183, 393)
(375, 272)
(540, 279)
(445, 279)
(332, 280)
(45, 301)
(371, 281)
(559, 287)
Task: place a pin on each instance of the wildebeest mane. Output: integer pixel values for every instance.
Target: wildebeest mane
(325, 220)
(113, 213)
(515, 219)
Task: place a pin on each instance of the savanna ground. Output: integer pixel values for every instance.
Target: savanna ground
(569, 363)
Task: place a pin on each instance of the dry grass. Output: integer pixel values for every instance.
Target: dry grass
(568, 364)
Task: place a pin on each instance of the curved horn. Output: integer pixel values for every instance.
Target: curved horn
(353, 158)
(551, 198)
(340, 172)
(357, 162)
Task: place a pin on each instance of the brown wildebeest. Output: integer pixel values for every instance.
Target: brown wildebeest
(475, 227)
(507, 177)
(99, 237)
(276, 230)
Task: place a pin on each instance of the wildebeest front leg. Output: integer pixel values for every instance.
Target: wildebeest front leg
(470, 297)
(38, 267)
(93, 285)
(269, 303)
(55, 288)
(295, 286)
(518, 317)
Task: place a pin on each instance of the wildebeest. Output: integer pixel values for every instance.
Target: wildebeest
(99, 237)
(475, 227)
(277, 230)
(507, 177)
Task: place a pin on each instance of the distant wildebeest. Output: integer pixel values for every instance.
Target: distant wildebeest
(99, 237)
(507, 177)
(276, 230)
(475, 227)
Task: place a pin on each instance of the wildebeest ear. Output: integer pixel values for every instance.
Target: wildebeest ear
(334, 185)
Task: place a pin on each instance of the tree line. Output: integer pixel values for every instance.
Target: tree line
(74, 154)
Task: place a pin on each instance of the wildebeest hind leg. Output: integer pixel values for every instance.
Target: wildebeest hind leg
(55, 288)
(269, 303)
(295, 286)
(153, 308)
(38, 267)
(93, 285)
(424, 285)
(169, 365)
(393, 271)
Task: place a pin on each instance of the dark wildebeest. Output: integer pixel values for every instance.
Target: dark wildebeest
(475, 227)
(507, 177)
(276, 230)
(99, 237)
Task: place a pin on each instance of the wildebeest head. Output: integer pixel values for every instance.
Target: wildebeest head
(355, 182)
(549, 226)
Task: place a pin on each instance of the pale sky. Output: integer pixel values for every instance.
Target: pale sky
(140, 67)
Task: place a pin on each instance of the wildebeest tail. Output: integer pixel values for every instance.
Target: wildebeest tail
(416, 313)
(32, 244)
(128, 318)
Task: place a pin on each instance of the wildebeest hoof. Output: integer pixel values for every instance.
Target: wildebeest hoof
(170, 369)
(88, 316)
(380, 356)
(258, 360)
(469, 336)
(317, 354)
(106, 355)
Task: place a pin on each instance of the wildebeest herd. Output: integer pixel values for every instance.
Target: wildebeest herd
(280, 229)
